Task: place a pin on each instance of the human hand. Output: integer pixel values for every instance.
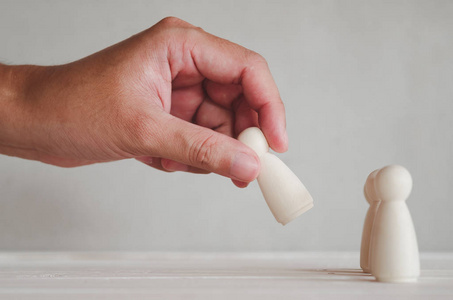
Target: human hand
(173, 97)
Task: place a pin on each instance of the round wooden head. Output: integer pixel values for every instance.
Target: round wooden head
(368, 190)
(254, 138)
(393, 183)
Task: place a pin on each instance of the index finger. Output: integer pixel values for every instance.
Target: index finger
(224, 62)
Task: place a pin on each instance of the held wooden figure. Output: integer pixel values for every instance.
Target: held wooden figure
(284, 193)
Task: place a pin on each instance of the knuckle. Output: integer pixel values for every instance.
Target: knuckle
(170, 21)
(192, 33)
(174, 28)
(256, 58)
(201, 153)
(199, 29)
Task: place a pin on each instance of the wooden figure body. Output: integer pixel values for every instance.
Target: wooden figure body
(373, 200)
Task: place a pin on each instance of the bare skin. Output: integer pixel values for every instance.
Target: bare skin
(172, 96)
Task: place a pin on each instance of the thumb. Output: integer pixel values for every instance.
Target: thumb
(206, 149)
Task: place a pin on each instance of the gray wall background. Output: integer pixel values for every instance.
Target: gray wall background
(365, 84)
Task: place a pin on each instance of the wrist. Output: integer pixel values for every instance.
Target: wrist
(14, 85)
(7, 90)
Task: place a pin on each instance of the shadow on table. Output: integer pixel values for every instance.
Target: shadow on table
(342, 274)
(339, 274)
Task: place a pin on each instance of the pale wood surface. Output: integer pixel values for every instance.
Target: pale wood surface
(277, 276)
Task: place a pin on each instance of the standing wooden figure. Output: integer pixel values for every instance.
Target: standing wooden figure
(394, 249)
(373, 200)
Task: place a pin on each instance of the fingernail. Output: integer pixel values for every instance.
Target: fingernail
(243, 185)
(245, 167)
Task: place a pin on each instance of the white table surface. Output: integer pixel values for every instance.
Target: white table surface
(278, 276)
